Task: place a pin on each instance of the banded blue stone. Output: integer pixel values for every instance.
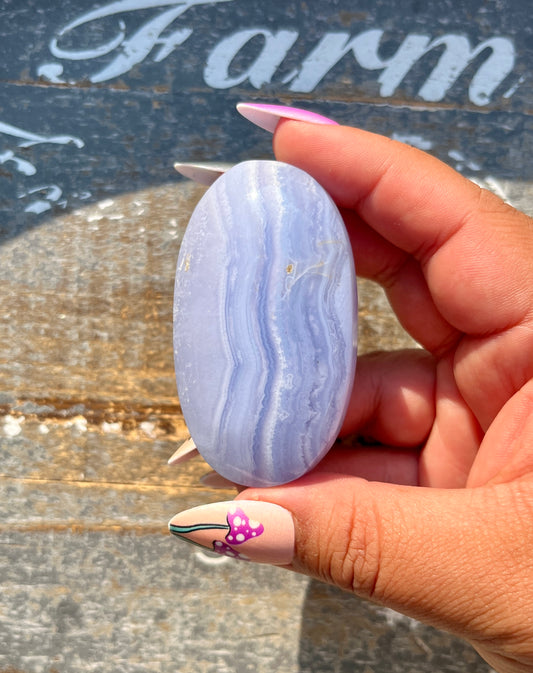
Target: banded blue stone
(265, 323)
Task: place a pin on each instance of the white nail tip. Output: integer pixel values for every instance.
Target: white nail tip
(261, 118)
(185, 452)
(205, 173)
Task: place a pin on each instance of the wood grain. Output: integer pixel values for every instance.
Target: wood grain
(91, 219)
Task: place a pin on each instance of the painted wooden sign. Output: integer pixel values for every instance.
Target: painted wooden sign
(98, 99)
(101, 98)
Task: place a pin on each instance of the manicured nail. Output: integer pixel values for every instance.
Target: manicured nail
(243, 529)
(268, 116)
(186, 451)
(215, 480)
(205, 173)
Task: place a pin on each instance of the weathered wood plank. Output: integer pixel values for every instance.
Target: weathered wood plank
(100, 100)
(151, 131)
(93, 601)
(97, 102)
(87, 310)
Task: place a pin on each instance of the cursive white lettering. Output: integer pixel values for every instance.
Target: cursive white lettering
(27, 138)
(22, 166)
(329, 51)
(134, 49)
(457, 55)
(275, 48)
(50, 193)
(495, 56)
(140, 44)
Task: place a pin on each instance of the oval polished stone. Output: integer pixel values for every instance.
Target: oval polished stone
(265, 320)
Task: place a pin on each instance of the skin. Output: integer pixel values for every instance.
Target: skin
(432, 514)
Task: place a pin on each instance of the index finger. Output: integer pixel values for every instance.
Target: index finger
(475, 251)
(461, 260)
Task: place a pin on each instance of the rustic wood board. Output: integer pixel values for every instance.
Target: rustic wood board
(94, 109)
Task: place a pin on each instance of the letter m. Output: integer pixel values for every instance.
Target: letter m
(455, 58)
(457, 55)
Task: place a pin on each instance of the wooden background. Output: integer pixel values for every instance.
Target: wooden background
(96, 102)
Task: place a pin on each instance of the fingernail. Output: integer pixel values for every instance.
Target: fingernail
(215, 480)
(243, 529)
(205, 173)
(268, 116)
(186, 451)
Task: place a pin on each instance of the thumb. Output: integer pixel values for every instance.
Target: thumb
(440, 556)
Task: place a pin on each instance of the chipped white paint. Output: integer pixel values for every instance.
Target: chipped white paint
(512, 90)
(111, 428)
(414, 140)
(78, 424)
(495, 186)
(394, 619)
(456, 155)
(106, 203)
(12, 425)
(463, 162)
(149, 429)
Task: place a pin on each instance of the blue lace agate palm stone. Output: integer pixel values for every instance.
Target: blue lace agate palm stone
(265, 319)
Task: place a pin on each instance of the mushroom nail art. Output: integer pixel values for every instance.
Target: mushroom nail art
(247, 530)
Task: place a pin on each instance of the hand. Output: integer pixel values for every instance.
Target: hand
(436, 519)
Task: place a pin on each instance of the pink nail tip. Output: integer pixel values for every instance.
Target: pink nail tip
(267, 116)
(246, 530)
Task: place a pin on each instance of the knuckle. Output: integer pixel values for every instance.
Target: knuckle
(352, 551)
